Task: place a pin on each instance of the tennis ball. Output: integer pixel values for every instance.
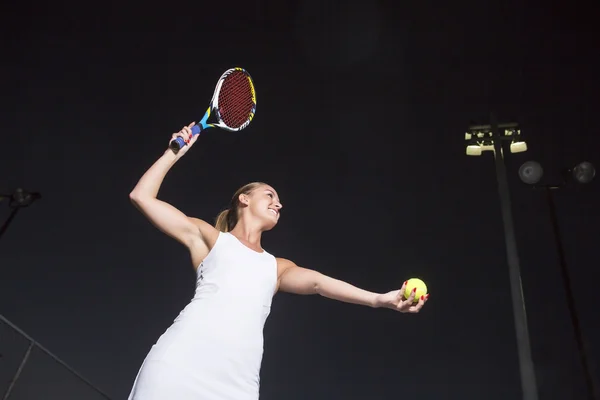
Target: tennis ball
(415, 283)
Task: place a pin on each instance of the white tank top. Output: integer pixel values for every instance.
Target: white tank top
(230, 268)
(214, 348)
(234, 289)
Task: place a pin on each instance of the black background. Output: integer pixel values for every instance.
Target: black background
(362, 109)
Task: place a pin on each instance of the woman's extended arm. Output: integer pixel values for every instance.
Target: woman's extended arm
(298, 280)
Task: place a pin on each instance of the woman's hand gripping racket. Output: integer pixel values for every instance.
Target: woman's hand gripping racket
(232, 107)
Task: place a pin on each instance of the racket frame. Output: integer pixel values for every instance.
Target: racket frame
(213, 109)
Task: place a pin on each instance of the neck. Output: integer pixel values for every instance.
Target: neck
(248, 233)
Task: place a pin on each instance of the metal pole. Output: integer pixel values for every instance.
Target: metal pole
(528, 379)
(55, 358)
(12, 215)
(592, 390)
(19, 370)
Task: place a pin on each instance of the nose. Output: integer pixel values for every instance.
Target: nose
(278, 205)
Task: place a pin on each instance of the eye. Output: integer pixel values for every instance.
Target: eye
(270, 195)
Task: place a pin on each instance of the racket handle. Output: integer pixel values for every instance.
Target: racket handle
(178, 143)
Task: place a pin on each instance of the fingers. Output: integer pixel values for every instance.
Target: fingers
(400, 294)
(187, 130)
(408, 306)
(186, 134)
(420, 304)
(403, 302)
(403, 305)
(411, 298)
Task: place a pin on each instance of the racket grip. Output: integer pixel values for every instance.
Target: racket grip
(178, 142)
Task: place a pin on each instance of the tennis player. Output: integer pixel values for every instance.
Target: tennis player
(214, 348)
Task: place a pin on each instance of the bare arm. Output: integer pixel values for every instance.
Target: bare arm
(164, 216)
(298, 280)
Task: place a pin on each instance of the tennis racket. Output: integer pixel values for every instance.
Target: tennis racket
(232, 106)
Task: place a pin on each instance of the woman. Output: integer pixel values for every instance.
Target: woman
(214, 348)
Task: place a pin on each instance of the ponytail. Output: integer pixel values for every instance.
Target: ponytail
(228, 218)
(222, 222)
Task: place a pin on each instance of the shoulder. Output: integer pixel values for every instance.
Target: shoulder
(283, 264)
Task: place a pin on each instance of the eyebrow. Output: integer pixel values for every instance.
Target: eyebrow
(274, 194)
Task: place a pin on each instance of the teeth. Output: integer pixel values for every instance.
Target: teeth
(273, 211)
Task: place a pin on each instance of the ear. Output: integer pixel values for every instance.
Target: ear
(244, 200)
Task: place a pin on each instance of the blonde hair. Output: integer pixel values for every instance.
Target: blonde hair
(228, 218)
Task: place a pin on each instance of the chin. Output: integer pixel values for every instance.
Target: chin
(270, 224)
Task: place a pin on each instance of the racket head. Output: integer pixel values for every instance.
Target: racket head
(234, 100)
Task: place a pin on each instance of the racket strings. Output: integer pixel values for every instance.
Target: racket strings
(236, 102)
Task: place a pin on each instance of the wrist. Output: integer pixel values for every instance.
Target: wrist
(376, 300)
(170, 157)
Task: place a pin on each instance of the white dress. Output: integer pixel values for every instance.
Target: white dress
(214, 348)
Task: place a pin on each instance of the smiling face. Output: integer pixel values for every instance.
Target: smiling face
(263, 204)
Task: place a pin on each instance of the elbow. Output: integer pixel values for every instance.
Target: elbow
(317, 286)
(136, 198)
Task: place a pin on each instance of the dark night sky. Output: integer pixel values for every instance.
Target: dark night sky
(362, 108)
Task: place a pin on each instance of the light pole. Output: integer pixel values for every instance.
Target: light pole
(531, 173)
(492, 138)
(16, 201)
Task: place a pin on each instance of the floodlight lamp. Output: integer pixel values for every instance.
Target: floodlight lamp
(584, 172)
(531, 172)
(473, 150)
(518, 147)
(22, 198)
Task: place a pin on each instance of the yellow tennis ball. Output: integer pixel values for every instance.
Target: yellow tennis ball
(415, 283)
